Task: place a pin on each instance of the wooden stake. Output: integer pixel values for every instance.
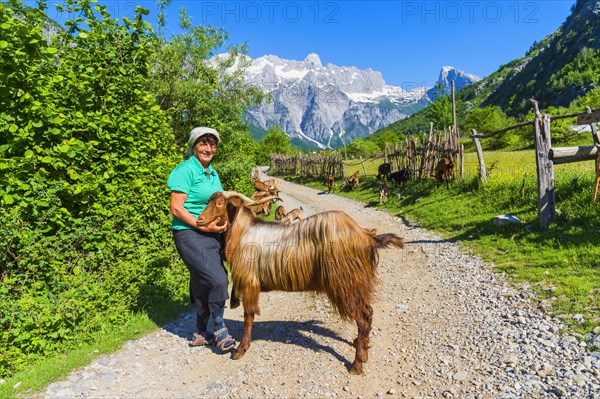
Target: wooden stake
(597, 182)
(545, 169)
(482, 170)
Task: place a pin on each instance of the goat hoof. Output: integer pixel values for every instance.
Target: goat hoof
(356, 370)
(238, 354)
(234, 303)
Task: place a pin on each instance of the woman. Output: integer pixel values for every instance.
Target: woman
(192, 182)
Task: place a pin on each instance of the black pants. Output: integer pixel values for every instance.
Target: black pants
(202, 254)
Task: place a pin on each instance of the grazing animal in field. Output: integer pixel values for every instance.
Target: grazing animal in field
(273, 184)
(352, 181)
(294, 214)
(330, 183)
(400, 177)
(444, 171)
(341, 263)
(384, 170)
(279, 212)
(264, 207)
(267, 186)
(383, 192)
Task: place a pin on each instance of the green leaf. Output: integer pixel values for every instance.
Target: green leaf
(8, 199)
(13, 128)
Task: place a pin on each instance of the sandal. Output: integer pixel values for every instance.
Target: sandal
(224, 341)
(201, 339)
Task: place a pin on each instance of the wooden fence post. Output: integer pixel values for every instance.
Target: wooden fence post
(461, 159)
(597, 181)
(362, 162)
(545, 168)
(482, 170)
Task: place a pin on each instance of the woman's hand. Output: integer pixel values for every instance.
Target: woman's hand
(212, 227)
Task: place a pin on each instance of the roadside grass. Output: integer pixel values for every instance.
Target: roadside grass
(562, 264)
(111, 338)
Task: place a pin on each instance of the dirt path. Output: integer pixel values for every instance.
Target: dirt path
(445, 326)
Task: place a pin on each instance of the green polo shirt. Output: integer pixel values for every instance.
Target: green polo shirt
(191, 178)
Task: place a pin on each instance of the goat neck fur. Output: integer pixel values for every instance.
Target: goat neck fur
(327, 252)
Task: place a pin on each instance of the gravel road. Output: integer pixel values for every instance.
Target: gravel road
(445, 326)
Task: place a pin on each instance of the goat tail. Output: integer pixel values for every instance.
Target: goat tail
(388, 240)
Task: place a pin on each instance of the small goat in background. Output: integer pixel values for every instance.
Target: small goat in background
(279, 213)
(444, 171)
(330, 183)
(383, 192)
(294, 214)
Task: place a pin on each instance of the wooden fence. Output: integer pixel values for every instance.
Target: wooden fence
(313, 164)
(420, 157)
(547, 157)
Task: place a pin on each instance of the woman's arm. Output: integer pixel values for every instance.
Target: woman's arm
(177, 200)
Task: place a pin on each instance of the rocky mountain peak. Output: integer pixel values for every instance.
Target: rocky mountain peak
(447, 75)
(313, 61)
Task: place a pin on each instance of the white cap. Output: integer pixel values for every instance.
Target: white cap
(198, 132)
(195, 134)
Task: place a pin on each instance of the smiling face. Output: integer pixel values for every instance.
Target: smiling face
(205, 148)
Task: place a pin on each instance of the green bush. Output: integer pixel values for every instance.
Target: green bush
(84, 155)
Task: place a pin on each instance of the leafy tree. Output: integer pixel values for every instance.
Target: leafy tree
(276, 141)
(489, 119)
(387, 138)
(440, 110)
(198, 87)
(361, 148)
(590, 99)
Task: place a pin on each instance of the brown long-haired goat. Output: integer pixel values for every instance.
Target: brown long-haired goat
(444, 171)
(330, 183)
(341, 263)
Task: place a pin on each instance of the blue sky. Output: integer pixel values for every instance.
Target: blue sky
(407, 41)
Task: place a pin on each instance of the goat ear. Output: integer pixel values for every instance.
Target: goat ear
(235, 201)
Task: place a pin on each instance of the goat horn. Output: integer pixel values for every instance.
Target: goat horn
(248, 201)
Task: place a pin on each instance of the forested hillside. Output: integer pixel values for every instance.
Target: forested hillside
(559, 69)
(561, 72)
